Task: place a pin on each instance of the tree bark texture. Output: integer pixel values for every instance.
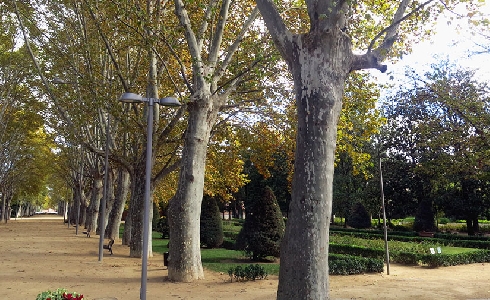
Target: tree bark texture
(122, 188)
(319, 71)
(93, 208)
(109, 205)
(185, 208)
(137, 209)
(319, 62)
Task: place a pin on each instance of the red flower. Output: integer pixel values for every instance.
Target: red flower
(67, 296)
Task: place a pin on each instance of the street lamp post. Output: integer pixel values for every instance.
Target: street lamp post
(105, 196)
(167, 101)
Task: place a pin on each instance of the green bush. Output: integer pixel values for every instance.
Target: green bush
(211, 224)
(444, 260)
(228, 244)
(359, 217)
(250, 272)
(349, 265)
(443, 221)
(263, 229)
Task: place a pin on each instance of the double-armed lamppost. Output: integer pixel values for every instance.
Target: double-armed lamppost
(167, 101)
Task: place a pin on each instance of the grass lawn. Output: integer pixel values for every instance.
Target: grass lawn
(221, 260)
(456, 250)
(218, 260)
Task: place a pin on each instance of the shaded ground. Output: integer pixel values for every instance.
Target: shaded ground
(40, 253)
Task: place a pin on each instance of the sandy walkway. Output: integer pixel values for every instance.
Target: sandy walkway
(40, 253)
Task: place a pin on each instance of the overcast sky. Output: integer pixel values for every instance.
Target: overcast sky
(453, 41)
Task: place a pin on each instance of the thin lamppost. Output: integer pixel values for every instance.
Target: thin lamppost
(385, 228)
(167, 101)
(104, 198)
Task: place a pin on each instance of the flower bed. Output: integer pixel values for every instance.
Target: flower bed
(59, 294)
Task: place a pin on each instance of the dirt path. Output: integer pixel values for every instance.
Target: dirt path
(39, 253)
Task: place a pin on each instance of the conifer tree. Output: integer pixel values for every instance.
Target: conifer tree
(263, 229)
(359, 217)
(211, 224)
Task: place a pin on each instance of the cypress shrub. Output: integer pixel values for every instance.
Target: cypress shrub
(359, 217)
(424, 218)
(263, 229)
(211, 224)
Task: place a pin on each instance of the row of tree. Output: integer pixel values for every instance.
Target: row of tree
(219, 59)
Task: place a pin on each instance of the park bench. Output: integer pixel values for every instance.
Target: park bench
(109, 246)
(426, 234)
(87, 232)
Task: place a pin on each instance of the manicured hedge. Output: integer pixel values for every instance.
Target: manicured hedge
(348, 265)
(444, 260)
(407, 258)
(444, 239)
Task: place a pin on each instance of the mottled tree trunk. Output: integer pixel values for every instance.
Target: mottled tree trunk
(185, 208)
(128, 226)
(94, 205)
(114, 222)
(136, 211)
(3, 215)
(319, 72)
(109, 205)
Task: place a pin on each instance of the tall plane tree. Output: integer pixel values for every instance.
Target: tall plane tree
(320, 61)
(221, 63)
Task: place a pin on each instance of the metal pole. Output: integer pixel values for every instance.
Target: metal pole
(384, 219)
(146, 219)
(104, 198)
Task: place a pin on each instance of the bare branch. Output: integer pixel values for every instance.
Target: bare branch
(218, 36)
(234, 47)
(204, 25)
(192, 43)
(277, 28)
(372, 58)
(109, 48)
(397, 19)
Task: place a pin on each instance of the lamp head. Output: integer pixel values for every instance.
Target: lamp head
(131, 98)
(58, 80)
(169, 101)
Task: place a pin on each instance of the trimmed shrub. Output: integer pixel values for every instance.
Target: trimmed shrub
(444, 260)
(348, 265)
(444, 221)
(211, 224)
(359, 217)
(263, 229)
(250, 272)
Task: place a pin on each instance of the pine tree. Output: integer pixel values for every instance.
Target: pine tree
(359, 217)
(211, 224)
(263, 229)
